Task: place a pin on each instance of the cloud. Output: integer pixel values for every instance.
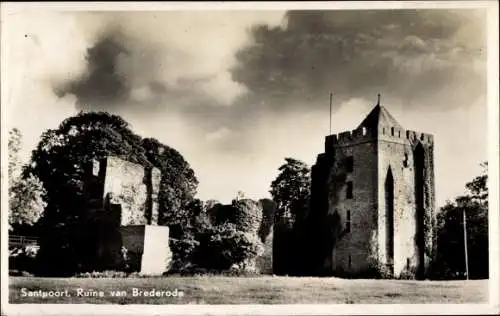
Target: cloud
(150, 60)
(221, 133)
(413, 55)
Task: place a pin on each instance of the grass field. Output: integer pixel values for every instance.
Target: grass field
(261, 290)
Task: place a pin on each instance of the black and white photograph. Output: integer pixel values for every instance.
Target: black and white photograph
(194, 158)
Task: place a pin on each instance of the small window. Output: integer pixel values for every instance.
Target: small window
(363, 131)
(349, 164)
(349, 190)
(405, 161)
(348, 222)
(408, 263)
(350, 261)
(392, 131)
(383, 130)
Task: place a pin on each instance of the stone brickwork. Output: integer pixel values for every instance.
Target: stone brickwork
(123, 197)
(134, 188)
(147, 248)
(264, 262)
(378, 182)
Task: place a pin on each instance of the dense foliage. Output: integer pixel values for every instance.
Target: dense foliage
(291, 189)
(60, 160)
(450, 260)
(291, 192)
(219, 238)
(26, 204)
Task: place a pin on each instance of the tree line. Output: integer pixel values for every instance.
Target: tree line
(46, 200)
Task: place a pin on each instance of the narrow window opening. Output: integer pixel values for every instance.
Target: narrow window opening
(392, 131)
(349, 190)
(399, 134)
(408, 263)
(405, 161)
(348, 222)
(349, 164)
(383, 130)
(350, 261)
(363, 130)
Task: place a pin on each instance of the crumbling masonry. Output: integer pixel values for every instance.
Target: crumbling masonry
(374, 189)
(122, 199)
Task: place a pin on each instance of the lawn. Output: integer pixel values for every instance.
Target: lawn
(259, 290)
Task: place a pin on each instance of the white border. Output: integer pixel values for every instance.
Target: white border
(493, 158)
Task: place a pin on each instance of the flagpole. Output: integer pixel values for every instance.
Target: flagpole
(331, 95)
(465, 247)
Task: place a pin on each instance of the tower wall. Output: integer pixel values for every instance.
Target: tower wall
(354, 244)
(372, 201)
(364, 247)
(395, 152)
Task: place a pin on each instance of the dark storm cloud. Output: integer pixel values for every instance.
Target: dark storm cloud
(115, 64)
(102, 83)
(129, 70)
(417, 58)
(414, 56)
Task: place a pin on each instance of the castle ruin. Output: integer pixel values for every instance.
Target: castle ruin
(374, 187)
(122, 200)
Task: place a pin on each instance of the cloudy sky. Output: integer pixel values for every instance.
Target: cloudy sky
(238, 91)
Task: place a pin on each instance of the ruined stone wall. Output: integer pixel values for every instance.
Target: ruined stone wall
(134, 188)
(264, 262)
(156, 254)
(148, 250)
(353, 249)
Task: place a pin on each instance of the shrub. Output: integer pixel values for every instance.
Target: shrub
(23, 259)
(183, 250)
(102, 274)
(224, 246)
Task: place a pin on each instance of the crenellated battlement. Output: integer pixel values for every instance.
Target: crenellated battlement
(348, 137)
(365, 134)
(425, 138)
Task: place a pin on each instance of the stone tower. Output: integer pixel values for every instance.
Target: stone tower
(373, 200)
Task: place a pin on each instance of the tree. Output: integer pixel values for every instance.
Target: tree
(26, 203)
(291, 189)
(178, 184)
(227, 235)
(450, 261)
(291, 193)
(478, 187)
(225, 246)
(14, 146)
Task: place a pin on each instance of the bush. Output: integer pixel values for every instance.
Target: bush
(183, 250)
(23, 259)
(102, 274)
(224, 246)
